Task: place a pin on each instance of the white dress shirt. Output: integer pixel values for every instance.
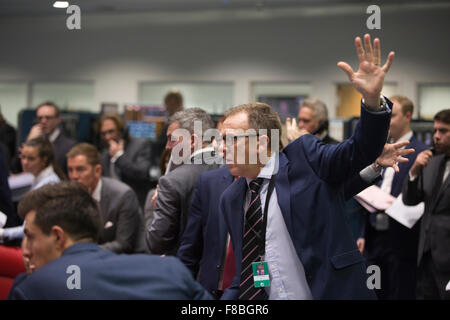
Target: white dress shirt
(287, 275)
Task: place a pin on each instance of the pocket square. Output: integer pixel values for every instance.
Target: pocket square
(447, 288)
(108, 224)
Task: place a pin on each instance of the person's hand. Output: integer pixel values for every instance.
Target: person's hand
(393, 154)
(421, 161)
(292, 130)
(155, 195)
(369, 78)
(29, 267)
(36, 131)
(115, 147)
(360, 243)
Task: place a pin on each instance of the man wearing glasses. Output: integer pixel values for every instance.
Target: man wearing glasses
(48, 122)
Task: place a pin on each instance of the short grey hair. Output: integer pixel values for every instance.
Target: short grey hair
(318, 107)
(186, 119)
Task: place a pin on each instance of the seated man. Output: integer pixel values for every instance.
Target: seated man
(122, 222)
(62, 224)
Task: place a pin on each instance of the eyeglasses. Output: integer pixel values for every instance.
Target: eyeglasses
(234, 138)
(46, 118)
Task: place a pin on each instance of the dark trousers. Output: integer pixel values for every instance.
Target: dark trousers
(398, 276)
(431, 282)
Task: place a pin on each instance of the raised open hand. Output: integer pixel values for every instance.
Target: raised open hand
(369, 78)
(393, 154)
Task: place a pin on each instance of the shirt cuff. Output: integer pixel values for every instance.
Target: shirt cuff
(381, 108)
(117, 156)
(411, 177)
(368, 174)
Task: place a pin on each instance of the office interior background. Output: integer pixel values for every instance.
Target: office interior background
(218, 53)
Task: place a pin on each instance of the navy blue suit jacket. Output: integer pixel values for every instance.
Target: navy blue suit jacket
(202, 247)
(106, 275)
(402, 241)
(6, 205)
(309, 186)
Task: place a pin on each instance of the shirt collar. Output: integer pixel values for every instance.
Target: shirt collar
(97, 195)
(323, 135)
(207, 149)
(406, 137)
(52, 137)
(44, 173)
(269, 169)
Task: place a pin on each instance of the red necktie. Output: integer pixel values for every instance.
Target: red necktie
(229, 269)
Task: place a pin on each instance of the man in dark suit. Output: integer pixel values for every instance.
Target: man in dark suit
(194, 155)
(49, 120)
(62, 225)
(122, 222)
(429, 181)
(204, 246)
(126, 158)
(302, 235)
(389, 244)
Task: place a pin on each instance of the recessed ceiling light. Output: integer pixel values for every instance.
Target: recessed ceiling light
(61, 4)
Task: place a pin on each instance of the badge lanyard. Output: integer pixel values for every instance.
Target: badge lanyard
(262, 238)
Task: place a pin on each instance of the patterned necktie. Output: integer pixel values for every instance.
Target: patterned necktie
(250, 245)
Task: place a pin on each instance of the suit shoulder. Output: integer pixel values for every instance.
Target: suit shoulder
(116, 186)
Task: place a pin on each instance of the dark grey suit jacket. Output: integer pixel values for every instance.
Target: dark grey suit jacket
(435, 225)
(61, 146)
(123, 228)
(165, 225)
(133, 166)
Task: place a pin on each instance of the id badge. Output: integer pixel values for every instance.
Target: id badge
(261, 274)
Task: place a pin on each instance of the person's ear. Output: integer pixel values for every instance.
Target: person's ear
(98, 170)
(409, 116)
(263, 145)
(59, 237)
(195, 142)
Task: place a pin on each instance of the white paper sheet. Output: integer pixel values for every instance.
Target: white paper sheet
(406, 215)
(374, 197)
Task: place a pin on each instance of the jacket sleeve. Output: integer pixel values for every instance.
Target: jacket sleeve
(136, 165)
(335, 163)
(162, 234)
(191, 246)
(412, 191)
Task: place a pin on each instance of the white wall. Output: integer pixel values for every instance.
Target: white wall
(118, 51)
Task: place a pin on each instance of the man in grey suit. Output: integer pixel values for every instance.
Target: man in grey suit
(122, 225)
(126, 158)
(194, 155)
(429, 181)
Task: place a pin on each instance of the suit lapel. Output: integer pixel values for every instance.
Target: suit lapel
(104, 201)
(282, 186)
(225, 181)
(441, 192)
(236, 214)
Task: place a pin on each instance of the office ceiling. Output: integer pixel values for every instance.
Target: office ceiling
(12, 8)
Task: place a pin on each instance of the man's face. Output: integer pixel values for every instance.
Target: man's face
(442, 137)
(399, 122)
(82, 172)
(233, 148)
(306, 120)
(46, 116)
(38, 247)
(109, 131)
(170, 130)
